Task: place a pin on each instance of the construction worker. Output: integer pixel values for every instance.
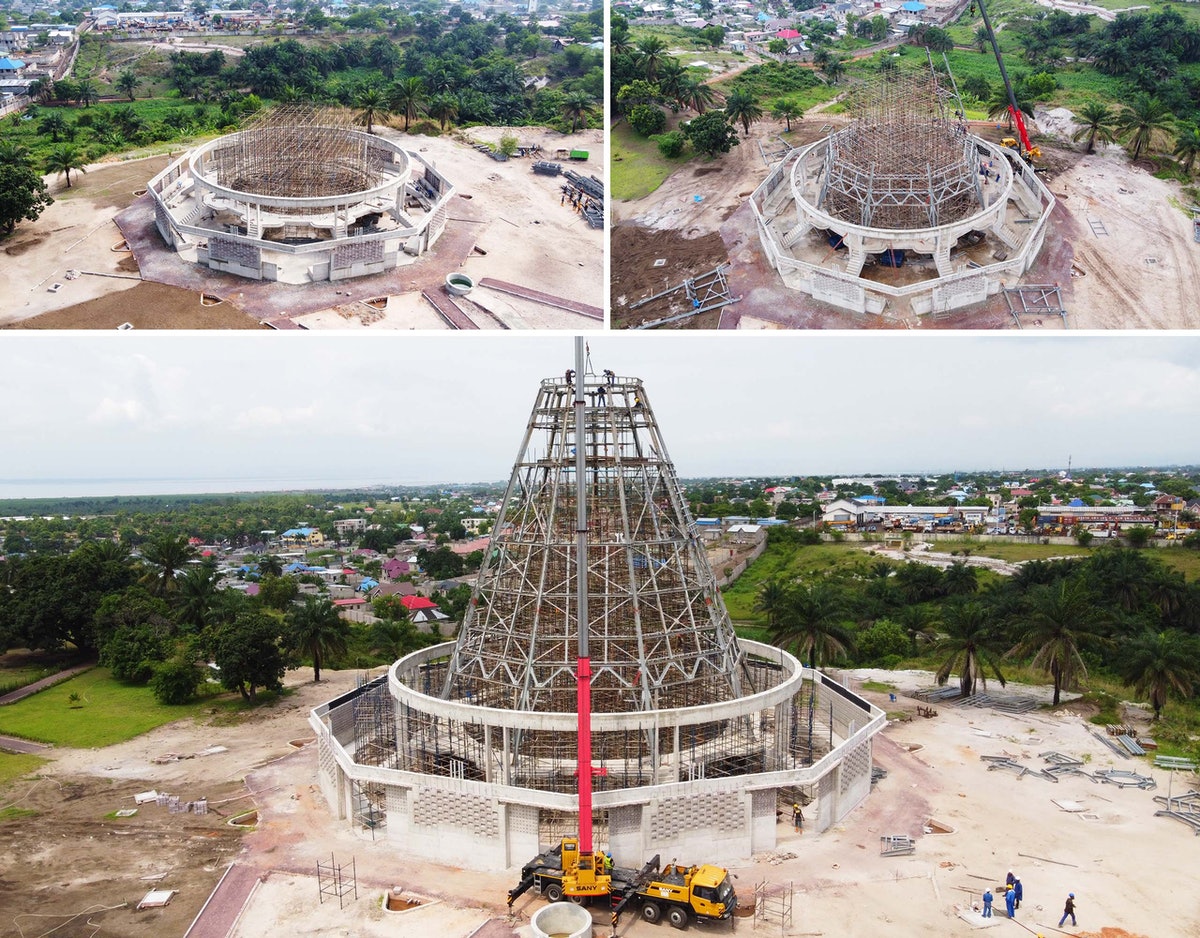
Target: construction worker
(608, 862)
(1068, 909)
(1018, 890)
(1010, 901)
(797, 817)
(987, 903)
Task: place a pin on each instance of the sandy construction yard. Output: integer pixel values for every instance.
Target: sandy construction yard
(1119, 244)
(72, 868)
(64, 271)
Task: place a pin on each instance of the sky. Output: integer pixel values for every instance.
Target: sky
(135, 413)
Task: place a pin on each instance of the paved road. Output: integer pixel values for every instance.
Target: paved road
(22, 692)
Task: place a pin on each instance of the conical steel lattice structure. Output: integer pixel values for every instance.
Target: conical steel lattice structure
(659, 633)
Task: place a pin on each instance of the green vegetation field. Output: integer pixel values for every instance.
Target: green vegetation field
(104, 711)
(637, 166)
(17, 765)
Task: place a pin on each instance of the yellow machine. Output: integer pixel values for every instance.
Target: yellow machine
(677, 894)
(1033, 153)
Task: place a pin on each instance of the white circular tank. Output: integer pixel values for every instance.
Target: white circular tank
(561, 920)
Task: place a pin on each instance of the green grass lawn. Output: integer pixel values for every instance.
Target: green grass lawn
(105, 711)
(637, 166)
(15, 765)
(816, 559)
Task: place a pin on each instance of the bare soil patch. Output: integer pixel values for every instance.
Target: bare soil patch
(145, 305)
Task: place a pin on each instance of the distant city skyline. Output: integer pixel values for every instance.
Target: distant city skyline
(147, 414)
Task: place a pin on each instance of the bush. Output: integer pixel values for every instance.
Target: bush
(508, 144)
(646, 119)
(710, 134)
(175, 681)
(671, 144)
(426, 128)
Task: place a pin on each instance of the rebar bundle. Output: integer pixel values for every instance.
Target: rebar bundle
(903, 163)
(659, 633)
(296, 151)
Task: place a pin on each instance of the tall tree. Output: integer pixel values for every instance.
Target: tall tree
(247, 653)
(372, 105)
(1096, 122)
(971, 646)
(1145, 121)
(408, 98)
(651, 53)
(786, 110)
(1159, 663)
(811, 624)
(443, 108)
(1059, 620)
(23, 195)
(316, 629)
(576, 107)
(740, 107)
(64, 158)
(165, 556)
(1187, 146)
(127, 82)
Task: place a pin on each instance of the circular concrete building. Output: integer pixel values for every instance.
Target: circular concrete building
(300, 195)
(466, 752)
(903, 208)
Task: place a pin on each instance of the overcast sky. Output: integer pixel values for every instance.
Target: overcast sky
(137, 413)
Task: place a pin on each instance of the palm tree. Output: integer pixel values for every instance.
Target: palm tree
(127, 82)
(316, 629)
(772, 598)
(165, 556)
(651, 52)
(372, 104)
(86, 93)
(408, 98)
(1187, 146)
(697, 95)
(671, 79)
(197, 587)
(41, 90)
(959, 579)
(1060, 618)
(1156, 663)
(1146, 120)
(785, 110)
(270, 565)
(810, 622)
(918, 624)
(576, 107)
(53, 124)
(835, 68)
(1097, 123)
(443, 108)
(741, 106)
(64, 158)
(14, 154)
(970, 645)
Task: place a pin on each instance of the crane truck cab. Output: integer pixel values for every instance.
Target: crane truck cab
(680, 894)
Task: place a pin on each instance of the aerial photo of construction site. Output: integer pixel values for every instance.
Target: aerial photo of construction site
(202, 174)
(942, 165)
(716, 729)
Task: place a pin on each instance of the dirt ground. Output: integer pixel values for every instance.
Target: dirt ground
(69, 272)
(74, 869)
(1138, 272)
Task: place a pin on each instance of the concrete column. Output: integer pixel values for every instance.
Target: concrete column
(506, 763)
(678, 754)
(487, 753)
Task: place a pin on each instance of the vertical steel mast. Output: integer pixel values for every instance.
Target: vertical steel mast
(583, 673)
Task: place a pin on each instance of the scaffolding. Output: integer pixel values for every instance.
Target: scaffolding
(905, 162)
(374, 744)
(297, 151)
(773, 904)
(333, 879)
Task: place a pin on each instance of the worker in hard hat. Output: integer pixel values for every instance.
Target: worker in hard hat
(1068, 909)
(608, 861)
(797, 817)
(1010, 901)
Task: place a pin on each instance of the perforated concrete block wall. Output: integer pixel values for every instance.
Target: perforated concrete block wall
(722, 811)
(434, 807)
